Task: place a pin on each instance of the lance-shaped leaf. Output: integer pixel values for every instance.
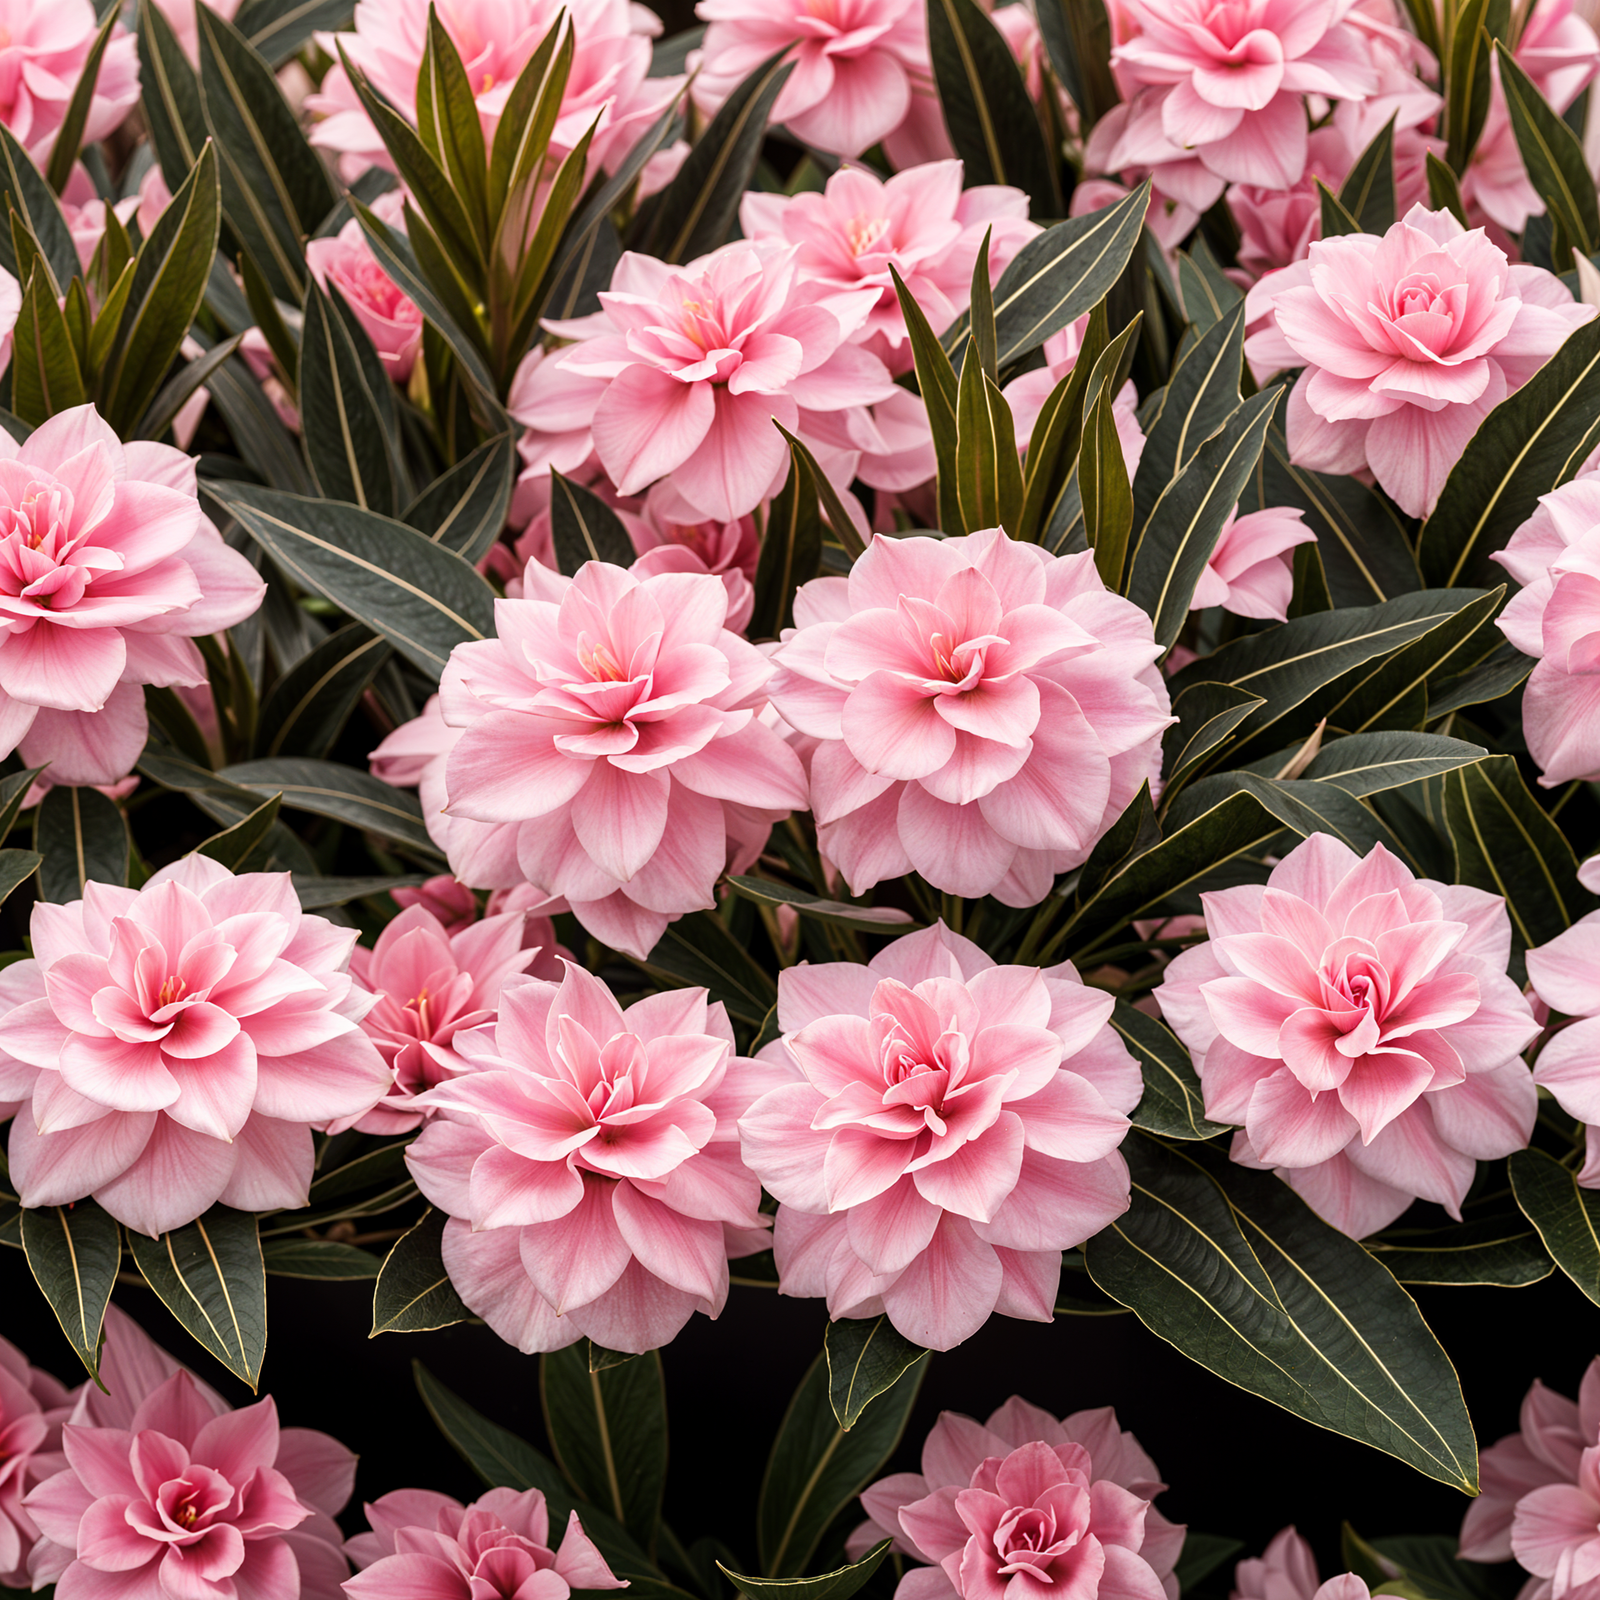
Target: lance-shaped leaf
(988, 473)
(869, 919)
(1173, 1103)
(73, 1253)
(991, 119)
(1367, 194)
(1444, 190)
(1567, 1217)
(16, 867)
(170, 275)
(817, 1468)
(82, 836)
(1336, 221)
(608, 1430)
(791, 551)
(307, 708)
(465, 508)
(422, 598)
(1553, 156)
(451, 127)
(1208, 294)
(317, 894)
(277, 29)
(247, 845)
(839, 1584)
(1369, 763)
(181, 387)
(260, 438)
(866, 1356)
(1238, 1272)
(584, 528)
(697, 951)
(522, 135)
(331, 789)
(1077, 38)
(1058, 432)
(1208, 715)
(834, 512)
(325, 1260)
(69, 136)
(1300, 804)
(413, 1293)
(1503, 1252)
(13, 791)
(939, 388)
(171, 95)
(209, 1276)
(1531, 443)
(27, 193)
(1104, 492)
(45, 376)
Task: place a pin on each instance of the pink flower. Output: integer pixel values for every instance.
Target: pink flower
(426, 1546)
(431, 985)
(184, 1035)
(192, 1501)
(1555, 1533)
(859, 68)
(495, 38)
(589, 1162)
(1080, 1517)
(1360, 1024)
(447, 899)
(390, 317)
(941, 1129)
(1251, 572)
(1223, 86)
(107, 569)
(1408, 343)
(611, 738)
(1565, 975)
(43, 51)
(670, 536)
(1278, 225)
(85, 213)
(1555, 618)
(1285, 1570)
(985, 711)
(684, 370)
(32, 1406)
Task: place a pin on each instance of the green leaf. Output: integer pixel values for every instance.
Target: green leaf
(1466, 64)
(1367, 194)
(522, 136)
(696, 211)
(325, 1259)
(69, 136)
(868, 919)
(348, 417)
(991, 120)
(413, 1293)
(988, 473)
(1232, 1267)
(1368, 763)
(209, 1276)
(82, 836)
(840, 523)
(1077, 38)
(422, 598)
(1505, 841)
(938, 386)
(278, 29)
(1208, 714)
(1432, 1564)
(169, 283)
(1444, 189)
(170, 96)
(866, 1357)
(584, 528)
(1208, 293)
(1567, 1217)
(192, 376)
(608, 1431)
(307, 708)
(1501, 1251)
(498, 1456)
(317, 894)
(1336, 221)
(1531, 443)
(1172, 549)
(16, 867)
(839, 1584)
(30, 196)
(465, 509)
(1553, 156)
(1173, 1103)
(451, 127)
(262, 441)
(73, 1253)
(331, 789)
(1300, 804)
(816, 1468)
(1495, 676)
(247, 845)
(791, 551)
(1202, 1554)
(45, 378)
(1104, 492)
(697, 951)
(13, 791)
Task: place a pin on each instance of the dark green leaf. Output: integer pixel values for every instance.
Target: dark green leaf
(1531, 443)
(1232, 1267)
(1501, 671)
(317, 894)
(16, 867)
(869, 919)
(452, 128)
(325, 1259)
(839, 1584)
(584, 528)
(1433, 1565)
(278, 29)
(1336, 221)
(816, 1468)
(608, 1431)
(247, 845)
(13, 791)
(1077, 38)
(413, 1293)
(1173, 1103)
(1202, 1554)
(182, 385)
(1367, 763)
(45, 378)
(992, 122)
(1300, 804)
(1502, 1251)
(1553, 156)
(988, 473)
(1208, 714)
(260, 438)
(1368, 192)
(1467, 79)
(697, 951)
(171, 96)
(307, 708)
(209, 1276)
(866, 1358)
(938, 386)
(1444, 189)
(521, 138)
(465, 509)
(791, 551)
(69, 136)
(30, 196)
(331, 789)
(82, 836)
(1104, 492)
(1208, 293)
(1567, 1217)
(73, 1253)
(840, 522)
(422, 598)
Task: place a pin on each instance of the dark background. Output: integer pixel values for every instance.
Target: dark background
(1237, 1466)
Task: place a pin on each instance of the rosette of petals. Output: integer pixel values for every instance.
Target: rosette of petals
(1108, 1481)
(193, 1500)
(1565, 975)
(1407, 342)
(184, 1036)
(1222, 85)
(984, 709)
(32, 1407)
(861, 69)
(609, 78)
(1285, 1570)
(1250, 573)
(389, 316)
(1359, 1023)
(683, 371)
(608, 731)
(426, 1546)
(942, 1129)
(430, 985)
(1553, 1434)
(44, 50)
(589, 1163)
(1555, 618)
(107, 570)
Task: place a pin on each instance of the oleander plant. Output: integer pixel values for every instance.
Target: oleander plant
(937, 658)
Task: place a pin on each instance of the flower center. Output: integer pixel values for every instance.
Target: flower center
(865, 232)
(424, 1021)
(173, 990)
(598, 661)
(186, 1514)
